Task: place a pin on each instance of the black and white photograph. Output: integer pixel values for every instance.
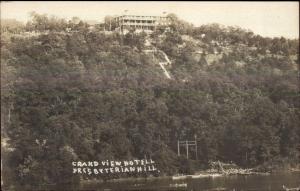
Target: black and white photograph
(150, 96)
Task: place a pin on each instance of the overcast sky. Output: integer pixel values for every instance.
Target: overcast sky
(265, 18)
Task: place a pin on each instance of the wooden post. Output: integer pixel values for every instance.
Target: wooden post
(196, 145)
(187, 149)
(196, 150)
(178, 148)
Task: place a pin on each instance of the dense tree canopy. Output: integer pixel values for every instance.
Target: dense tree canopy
(90, 96)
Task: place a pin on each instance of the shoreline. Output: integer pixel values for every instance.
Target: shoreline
(214, 175)
(174, 177)
(237, 172)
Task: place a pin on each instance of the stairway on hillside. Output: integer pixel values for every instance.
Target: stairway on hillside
(161, 64)
(153, 50)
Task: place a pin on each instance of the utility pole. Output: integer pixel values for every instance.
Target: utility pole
(196, 147)
(178, 148)
(187, 149)
(188, 144)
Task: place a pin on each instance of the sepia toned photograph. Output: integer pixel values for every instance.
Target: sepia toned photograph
(150, 96)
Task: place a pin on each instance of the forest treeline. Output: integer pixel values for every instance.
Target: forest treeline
(70, 93)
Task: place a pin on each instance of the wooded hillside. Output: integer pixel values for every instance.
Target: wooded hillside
(70, 93)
